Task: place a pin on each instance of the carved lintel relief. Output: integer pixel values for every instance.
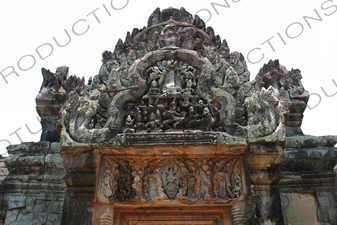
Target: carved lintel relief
(183, 179)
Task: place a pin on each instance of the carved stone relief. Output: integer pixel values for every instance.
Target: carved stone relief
(174, 84)
(268, 206)
(107, 217)
(244, 212)
(199, 179)
(78, 212)
(177, 75)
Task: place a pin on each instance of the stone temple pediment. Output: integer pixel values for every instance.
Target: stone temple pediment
(172, 130)
(176, 78)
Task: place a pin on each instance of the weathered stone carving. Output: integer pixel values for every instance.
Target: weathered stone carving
(78, 213)
(107, 217)
(289, 89)
(176, 179)
(265, 114)
(117, 180)
(243, 212)
(172, 120)
(170, 178)
(49, 101)
(268, 206)
(153, 187)
(176, 75)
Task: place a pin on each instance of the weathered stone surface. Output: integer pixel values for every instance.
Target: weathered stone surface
(299, 208)
(54, 219)
(3, 170)
(50, 100)
(171, 131)
(310, 141)
(15, 201)
(319, 158)
(35, 182)
(28, 147)
(41, 205)
(11, 216)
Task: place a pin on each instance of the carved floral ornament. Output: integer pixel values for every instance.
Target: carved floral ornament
(201, 179)
(176, 76)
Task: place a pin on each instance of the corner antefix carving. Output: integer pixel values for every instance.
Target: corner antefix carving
(173, 131)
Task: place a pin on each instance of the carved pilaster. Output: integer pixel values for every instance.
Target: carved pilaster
(81, 165)
(263, 162)
(268, 207)
(243, 212)
(107, 217)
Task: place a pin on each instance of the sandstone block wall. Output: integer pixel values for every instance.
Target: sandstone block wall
(33, 192)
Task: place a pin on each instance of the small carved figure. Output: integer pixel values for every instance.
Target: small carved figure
(231, 80)
(123, 190)
(185, 103)
(154, 90)
(187, 72)
(191, 118)
(222, 188)
(171, 188)
(155, 74)
(169, 36)
(199, 108)
(189, 87)
(129, 122)
(191, 192)
(172, 117)
(139, 125)
(114, 118)
(137, 173)
(207, 121)
(205, 175)
(153, 192)
(153, 123)
(237, 181)
(237, 188)
(105, 185)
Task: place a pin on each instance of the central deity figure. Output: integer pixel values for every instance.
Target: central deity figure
(172, 81)
(165, 78)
